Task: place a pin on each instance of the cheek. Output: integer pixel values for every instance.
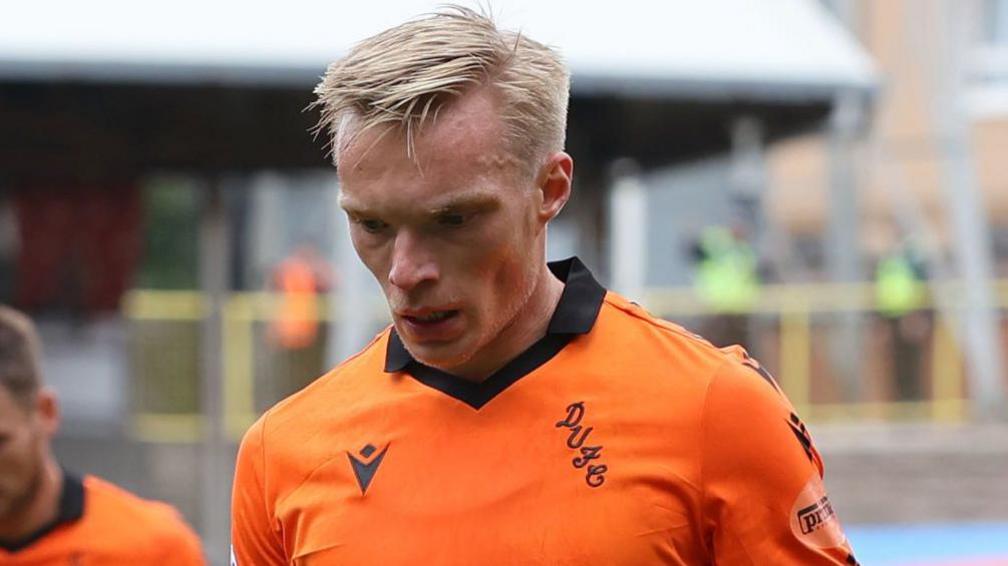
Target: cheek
(505, 241)
(374, 257)
(16, 457)
(507, 275)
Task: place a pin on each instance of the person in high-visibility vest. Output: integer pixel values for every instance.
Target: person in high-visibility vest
(726, 275)
(898, 286)
(727, 281)
(900, 295)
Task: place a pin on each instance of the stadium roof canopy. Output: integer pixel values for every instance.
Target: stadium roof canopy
(640, 47)
(648, 71)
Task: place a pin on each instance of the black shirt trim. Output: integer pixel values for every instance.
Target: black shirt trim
(71, 508)
(575, 314)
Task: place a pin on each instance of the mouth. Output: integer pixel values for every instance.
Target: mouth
(428, 318)
(431, 325)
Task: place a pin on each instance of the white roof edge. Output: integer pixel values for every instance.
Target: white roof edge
(776, 48)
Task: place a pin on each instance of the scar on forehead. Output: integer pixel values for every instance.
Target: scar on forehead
(498, 160)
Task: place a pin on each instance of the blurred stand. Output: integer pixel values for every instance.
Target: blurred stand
(843, 255)
(971, 234)
(628, 248)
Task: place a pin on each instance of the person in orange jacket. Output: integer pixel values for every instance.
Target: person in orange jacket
(49, 515)
(299, 279)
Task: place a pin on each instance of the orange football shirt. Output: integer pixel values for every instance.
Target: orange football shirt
(617, 439)
(100, 524)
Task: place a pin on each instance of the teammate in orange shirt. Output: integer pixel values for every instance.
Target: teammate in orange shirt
(49, 516)
(515, 412)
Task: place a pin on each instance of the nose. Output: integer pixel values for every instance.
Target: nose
(412, 263)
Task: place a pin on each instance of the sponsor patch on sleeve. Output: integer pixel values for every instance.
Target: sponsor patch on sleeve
(813, 519)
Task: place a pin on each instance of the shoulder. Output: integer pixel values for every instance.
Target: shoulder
(750, 426)
(145, 524)
(628, 330)
(675, 365)
(296, 434)
(318, 399)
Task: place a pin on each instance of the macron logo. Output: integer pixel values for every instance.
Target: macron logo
(365, 470)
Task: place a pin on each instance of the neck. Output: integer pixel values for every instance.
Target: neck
(40, 510)
(527, 327)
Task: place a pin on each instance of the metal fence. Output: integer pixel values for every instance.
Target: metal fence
(790, 328)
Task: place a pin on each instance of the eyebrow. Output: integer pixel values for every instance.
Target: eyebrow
(474, 200)
(477, 201)
(351, 206)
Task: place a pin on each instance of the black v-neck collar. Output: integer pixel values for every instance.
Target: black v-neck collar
(575, 314)
(71, 508)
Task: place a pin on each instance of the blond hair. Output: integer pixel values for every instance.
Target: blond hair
(402, 78)
(19, 356)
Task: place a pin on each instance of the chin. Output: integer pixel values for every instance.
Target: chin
(10, 506)
(444, 358)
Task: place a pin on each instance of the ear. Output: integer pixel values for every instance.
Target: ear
(47, 410)
(554, 182)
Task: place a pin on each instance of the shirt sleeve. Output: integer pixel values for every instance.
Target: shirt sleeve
(255, 535)
(763, 497)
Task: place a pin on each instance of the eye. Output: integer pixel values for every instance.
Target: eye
(371, 225)
(453, 219)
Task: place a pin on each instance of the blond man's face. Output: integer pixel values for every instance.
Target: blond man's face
(456, 244)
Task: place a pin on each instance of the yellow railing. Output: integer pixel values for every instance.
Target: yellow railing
(796, 304)
(793, 305)
(239, 312)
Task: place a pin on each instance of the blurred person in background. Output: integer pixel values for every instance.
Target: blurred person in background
(299, 280)
(47, 514)
(901, 294)
(516, 411)
(297, 334)
(727, 281)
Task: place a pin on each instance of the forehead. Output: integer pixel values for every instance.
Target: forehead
(463, 150)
